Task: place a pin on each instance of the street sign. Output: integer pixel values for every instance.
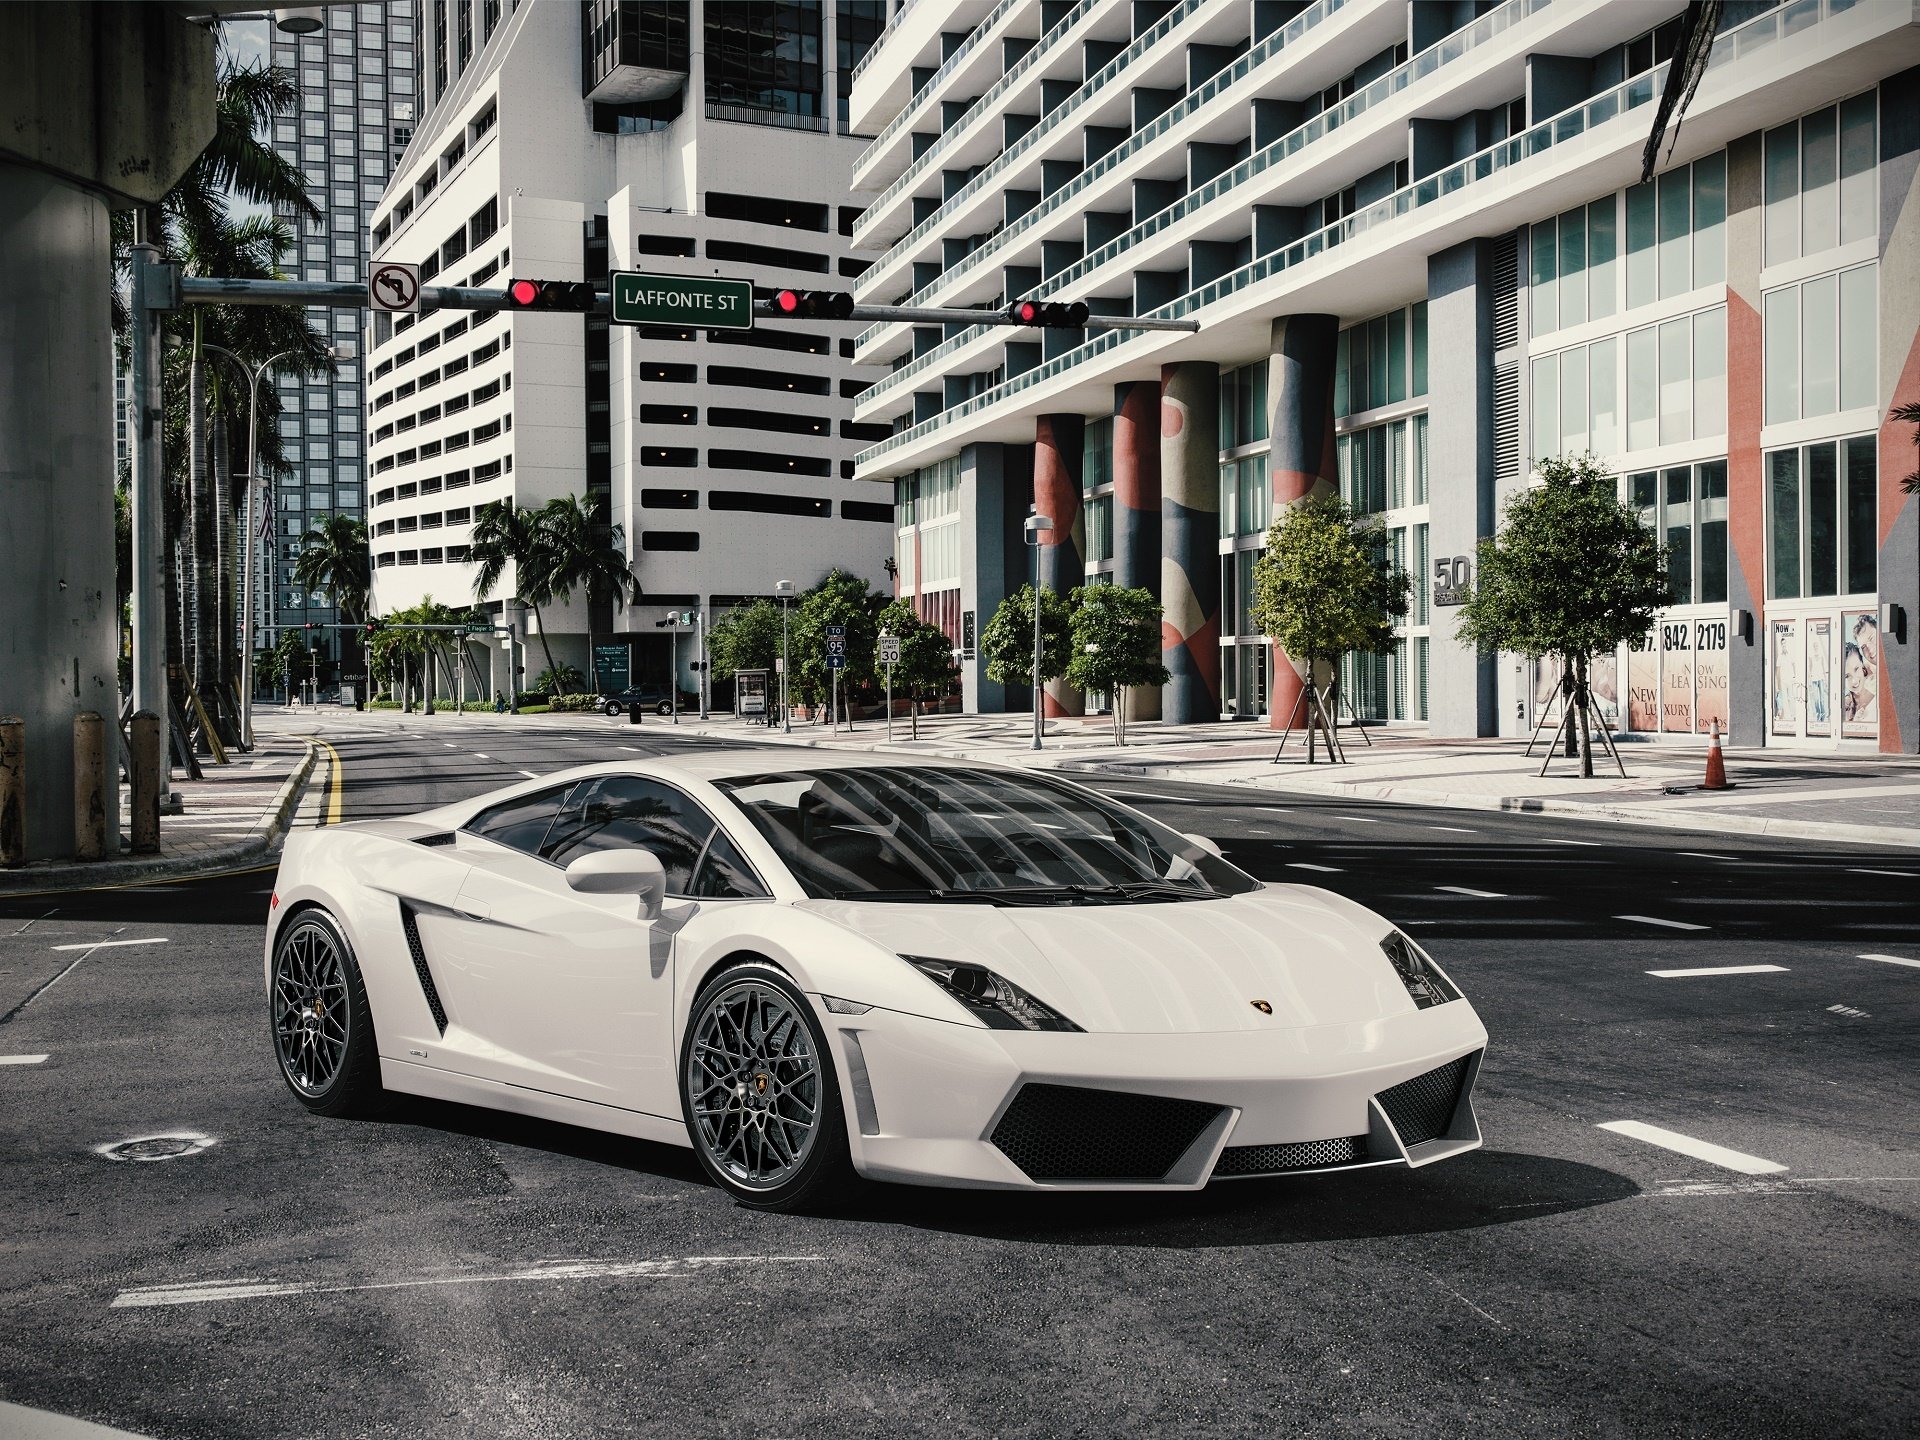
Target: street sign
(612, 668)
(394, 286)
(837, 646)
(888, 652)
(836, 630)
(836, 661)
(706, 301)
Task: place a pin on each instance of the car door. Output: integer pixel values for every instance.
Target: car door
(577, 990)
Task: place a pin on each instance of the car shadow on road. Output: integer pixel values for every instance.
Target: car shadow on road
(596, 1147)
(1488, 1187)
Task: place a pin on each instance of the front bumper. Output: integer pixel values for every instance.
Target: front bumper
(934, 1103)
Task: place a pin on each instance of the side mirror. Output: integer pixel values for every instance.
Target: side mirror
(1205, 844)
(622, 872)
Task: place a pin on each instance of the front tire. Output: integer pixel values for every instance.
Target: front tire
(322, 1024)
(760, 1093)
(612, 707)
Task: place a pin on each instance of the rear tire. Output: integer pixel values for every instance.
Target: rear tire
(665, 707)
(613, 708)
(761, 1096)
(322, 1024)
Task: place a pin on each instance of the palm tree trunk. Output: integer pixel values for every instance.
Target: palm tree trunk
(200, 528)
(548, 649)
(223, 545)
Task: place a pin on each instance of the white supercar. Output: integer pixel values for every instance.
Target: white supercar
(813, 968)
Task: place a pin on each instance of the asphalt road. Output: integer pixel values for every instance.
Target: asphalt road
(1565, 1280)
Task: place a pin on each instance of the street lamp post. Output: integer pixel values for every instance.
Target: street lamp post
(784, 589)
(1037, 528)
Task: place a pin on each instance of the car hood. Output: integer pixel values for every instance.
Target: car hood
(1190, 966)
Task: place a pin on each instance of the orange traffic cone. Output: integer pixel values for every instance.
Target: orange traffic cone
(1716, 764)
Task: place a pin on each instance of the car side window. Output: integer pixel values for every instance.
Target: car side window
(725, 875)
(521, 823)
(617, 812)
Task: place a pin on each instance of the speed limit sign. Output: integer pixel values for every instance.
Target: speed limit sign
(394, 286)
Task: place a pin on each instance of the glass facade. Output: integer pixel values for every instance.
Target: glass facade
(766, 55)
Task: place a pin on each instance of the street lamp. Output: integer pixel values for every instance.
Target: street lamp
(1037, 528)
(785, 590)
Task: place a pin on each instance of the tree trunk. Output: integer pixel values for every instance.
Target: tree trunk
(200, 528)
(545, 648)
(1580, 699)
(224, 639)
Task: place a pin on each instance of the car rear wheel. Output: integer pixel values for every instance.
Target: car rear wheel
(322, 1024)
(665, 707)
(614, 707)
(761, 1098)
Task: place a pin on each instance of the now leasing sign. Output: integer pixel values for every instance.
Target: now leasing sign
(713, 304)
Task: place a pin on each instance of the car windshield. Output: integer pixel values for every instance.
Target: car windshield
(965, 835)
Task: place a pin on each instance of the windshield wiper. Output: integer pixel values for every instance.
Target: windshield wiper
(911, 895)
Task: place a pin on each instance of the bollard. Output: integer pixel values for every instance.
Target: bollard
(89, 787)
(144, 783)
(633, 712)
(13, 791)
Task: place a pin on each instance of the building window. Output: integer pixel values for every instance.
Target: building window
(1686, 507)
(765, 56)
(1384, 467)
(1243, 406)
(1244, 498)
(1382, 361)
(1819, 178)
(1818, 339)
(1675, 381)
(1822, 519)
(670, 540)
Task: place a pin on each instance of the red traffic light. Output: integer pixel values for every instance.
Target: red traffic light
(813, 304)
(1071, 315)
(787, 302)
(524, 292)
(1027, 312)
(573, 295)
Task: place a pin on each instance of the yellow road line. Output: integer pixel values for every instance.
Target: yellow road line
(334, 782)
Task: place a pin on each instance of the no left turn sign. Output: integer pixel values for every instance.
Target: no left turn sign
(394, 286)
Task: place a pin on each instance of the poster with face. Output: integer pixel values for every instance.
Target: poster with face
(1643, 688)
(1676, 682)
(1546, 686)
(1783, 687)
(1819, 676)
(1710, 675)
(1603, 683)
(1860, 674)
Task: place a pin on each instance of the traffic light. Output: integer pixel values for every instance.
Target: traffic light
(572, 295)
(374, 626)
(1050, 315)
(813, 304)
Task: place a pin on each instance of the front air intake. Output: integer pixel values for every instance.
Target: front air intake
(1241, 1160)
(1422, 1108)
(1064, 1133)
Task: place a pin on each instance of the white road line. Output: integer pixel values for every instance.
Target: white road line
(1274, 809)
(1142, 795)
(1897, 874)
(1698, 1149)
(1893, 960)
(1720, 970)
(1323, 869)
(478, 756)
(634, 748)
(1476, 894)
(449, 744)
(1569, 842)
(201, 1292)
(1454, 829)
(1656, 920)
(21, 1059)
(1357, 819)
(107, 944)
(531, 774)
(1702, 855)
(36, 920)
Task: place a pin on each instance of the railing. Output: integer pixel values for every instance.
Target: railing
(916, 103)
(1640, 91)
(1146, 135)
(906, 9)
(753, 115)
(1434, 57)
(916, 171)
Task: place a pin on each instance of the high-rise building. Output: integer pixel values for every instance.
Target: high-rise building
(1420, 249)
(565, 142)
(359, 93)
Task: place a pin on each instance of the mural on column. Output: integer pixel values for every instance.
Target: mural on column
(1881, 661)
(1190, 540)
(1304, 349)
(1746, 485)
(1057, 445)
(1136, 504)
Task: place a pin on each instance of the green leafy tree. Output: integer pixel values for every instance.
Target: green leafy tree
(1573, 572)
(1323, 587)
(926, 669)
(564, 546)
(334, 558)
(747, 638)
(838, 599)
(1007, 642)
(1116, 645)
(290, 662)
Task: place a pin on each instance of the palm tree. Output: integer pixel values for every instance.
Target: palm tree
(507, 534)
(554, 551)
(333, 557)
(1909, 414)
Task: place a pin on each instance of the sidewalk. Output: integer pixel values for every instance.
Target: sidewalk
(1866, 798)
(233, 817)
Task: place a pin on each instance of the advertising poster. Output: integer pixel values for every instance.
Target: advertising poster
(1676, 681)
(1603, 681)
(1819, 676)
(1643, 689)
(1710, 675)
(1860, 674)
(1546, 688)
(1783, 676)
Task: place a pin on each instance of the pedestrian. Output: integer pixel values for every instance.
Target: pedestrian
(499, 703)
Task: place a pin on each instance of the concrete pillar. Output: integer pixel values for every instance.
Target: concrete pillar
(1303, 351)
(143, 783)
(1899, 385)
(995, 484)
(1058, 443)
(1190, 540)
(58, 646)
(13, 792)
(1746, 476)
(1136, 504)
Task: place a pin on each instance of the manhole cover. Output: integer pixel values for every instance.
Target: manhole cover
(155, 1147)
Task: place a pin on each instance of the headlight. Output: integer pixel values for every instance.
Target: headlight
(997, 1002)
(1423, 979)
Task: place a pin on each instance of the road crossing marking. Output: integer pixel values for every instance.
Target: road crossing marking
(1893, 960)
(21, 1059)
(1847, 1010)
(1656, 920)
(1698, 1149)
(107, 944)
(1476, 894)
(1702, 855)
(1897, 874)
(1323, 869)
(1720, 970)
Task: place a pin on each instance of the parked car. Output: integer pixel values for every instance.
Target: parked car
(649, 698)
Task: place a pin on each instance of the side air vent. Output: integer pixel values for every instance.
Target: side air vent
(442, 837)
(1506, 290)
(419, 953)
(1506, 422)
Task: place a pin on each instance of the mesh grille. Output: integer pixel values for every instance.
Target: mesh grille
(419, 953)
(1301, 1155)
(1422, 1108)
(1062, 1132)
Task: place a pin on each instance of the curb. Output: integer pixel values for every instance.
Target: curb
(96, 875)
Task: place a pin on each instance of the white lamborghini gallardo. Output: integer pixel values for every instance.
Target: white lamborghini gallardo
(815, 968)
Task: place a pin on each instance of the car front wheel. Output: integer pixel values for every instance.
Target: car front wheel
(613, 707)
(322, 1023)
(761, 1099)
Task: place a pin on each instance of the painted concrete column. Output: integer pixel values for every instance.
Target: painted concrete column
(1058, 446)
(1746, 483)
(1303, 351)
(1899, 385)
(1190, 540)
(1136, 504)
